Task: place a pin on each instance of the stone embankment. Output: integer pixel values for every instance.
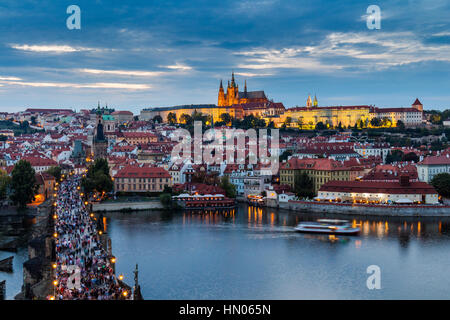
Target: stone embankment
(127, 206)
(368, 210)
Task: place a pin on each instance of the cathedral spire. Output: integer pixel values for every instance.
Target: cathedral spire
(315, 103)
(233, 83)
(221, 86)
(309, 101)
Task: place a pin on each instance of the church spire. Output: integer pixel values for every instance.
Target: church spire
(315, 103)
(221, 86)
(309, 101)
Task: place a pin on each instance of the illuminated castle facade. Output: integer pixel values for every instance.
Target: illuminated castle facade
(233, 96)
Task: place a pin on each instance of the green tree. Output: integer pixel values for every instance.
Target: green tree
(375, 122)
(186, 119)
(285, 155)
(441, 182)
(394, 156)
(411, 156)
(166, 200)
(400, 125)
(23, 184)
(320, 126)
(172, 118)
(303, 186)
(5, 182)
(230, 189)
(98, 178)
(288, 121)
(55, 172)
(157, 119)
(225, 117)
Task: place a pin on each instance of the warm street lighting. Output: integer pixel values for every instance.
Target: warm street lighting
(54, 266)
(55, 283)
(121, 277)
(100, 232)
(113, 259)
(55, 216)
(125, 293)
(51, 298)
(55, 235)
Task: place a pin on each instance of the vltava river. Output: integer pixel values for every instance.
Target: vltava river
(253, 253)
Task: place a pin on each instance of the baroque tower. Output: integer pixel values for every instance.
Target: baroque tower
(99, 143)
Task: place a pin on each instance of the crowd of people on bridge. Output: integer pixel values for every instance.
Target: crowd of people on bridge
(83, 269)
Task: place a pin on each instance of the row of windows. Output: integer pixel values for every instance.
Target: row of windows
(142, 180)
(140, 187)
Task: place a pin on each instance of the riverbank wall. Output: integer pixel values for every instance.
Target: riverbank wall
(37, 270)
(367, 209)
(127, 206)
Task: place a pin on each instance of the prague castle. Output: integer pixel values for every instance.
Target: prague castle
(239, 104)
(233, 96)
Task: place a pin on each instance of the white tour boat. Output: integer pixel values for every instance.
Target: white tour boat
(331, 226)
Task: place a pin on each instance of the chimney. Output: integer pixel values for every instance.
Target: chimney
(404, 180)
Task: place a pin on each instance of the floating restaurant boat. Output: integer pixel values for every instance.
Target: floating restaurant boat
(331, 226)
(207, 201)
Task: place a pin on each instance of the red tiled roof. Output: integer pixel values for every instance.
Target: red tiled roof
(384, 110)
(378, 187)
(40, 162)
(436, 160)
(313, 164)
(417, 102)
(142, 172)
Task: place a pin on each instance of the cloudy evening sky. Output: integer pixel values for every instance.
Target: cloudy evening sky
(137, 54)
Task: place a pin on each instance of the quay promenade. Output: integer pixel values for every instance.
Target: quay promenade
(83, 268)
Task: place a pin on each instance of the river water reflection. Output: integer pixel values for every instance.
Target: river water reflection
(253, 253)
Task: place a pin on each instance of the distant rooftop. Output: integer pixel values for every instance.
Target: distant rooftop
(186, 106)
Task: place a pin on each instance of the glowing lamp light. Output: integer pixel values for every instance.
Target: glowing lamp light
(121, 277)
(55, 235)
(86, 203)
(51, 298)
(55, 216)
(55, 283)
(125, 293)
(100, 232)
(54, 266)
(113, 260)
(92, 215)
